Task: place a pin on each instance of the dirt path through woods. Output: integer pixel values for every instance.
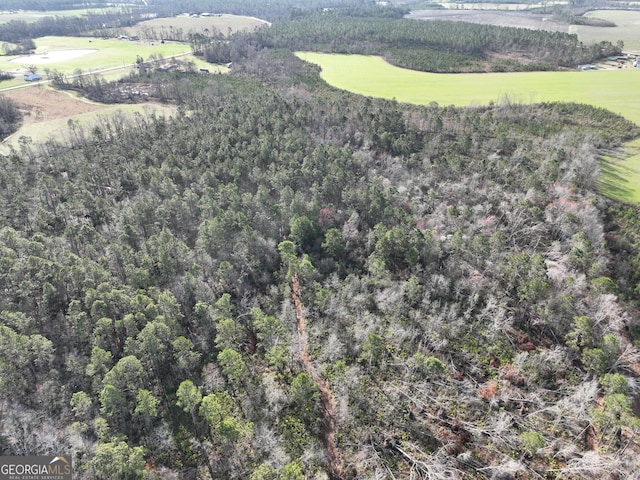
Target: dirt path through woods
(327, 401)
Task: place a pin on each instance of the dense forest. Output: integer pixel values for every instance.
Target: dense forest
(435, 46)
(265, 8)
(285, 281)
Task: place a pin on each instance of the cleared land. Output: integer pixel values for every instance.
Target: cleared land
(615, 90)
(48, 113)
(627, 28)
(62, 54)
(51, 57)
(627, 23)
(534, 21)
(44, 104)
(220, 23)
(498, 5)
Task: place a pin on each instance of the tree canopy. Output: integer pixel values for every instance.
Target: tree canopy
(282, 280)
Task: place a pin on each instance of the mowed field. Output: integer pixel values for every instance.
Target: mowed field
(615, 90)
(627, 28)
(224, 24)
(48, 113)
(68, 54)
(621, 175)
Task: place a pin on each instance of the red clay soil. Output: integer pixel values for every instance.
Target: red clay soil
(327, 401)
(40, 104)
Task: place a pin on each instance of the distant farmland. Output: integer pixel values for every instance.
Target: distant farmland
(47, 112)
(63, 55)
(31, 16)
(615, 90)
(224, 24)
(627, 22)
(627, 28)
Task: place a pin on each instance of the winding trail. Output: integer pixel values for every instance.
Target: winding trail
(327, 401)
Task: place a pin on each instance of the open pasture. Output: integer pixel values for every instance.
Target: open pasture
(627, 28)
(68, 54)
(615, 90)
(56, 56)
(214, 23)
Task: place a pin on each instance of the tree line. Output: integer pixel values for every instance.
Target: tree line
(439, 46)
(10, 116)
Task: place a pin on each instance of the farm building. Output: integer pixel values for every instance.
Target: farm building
(32, 77)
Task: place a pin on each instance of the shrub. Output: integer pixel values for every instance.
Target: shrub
(427, 365)
(613, 383)
(531, 442)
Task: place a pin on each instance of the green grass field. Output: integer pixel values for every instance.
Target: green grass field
(615, 90)
(109, 53)
(627, 28)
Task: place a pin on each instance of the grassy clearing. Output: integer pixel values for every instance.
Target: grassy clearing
(223, 24)
(627, 28)
(109, 53)
(41, 131)
(615, 90)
